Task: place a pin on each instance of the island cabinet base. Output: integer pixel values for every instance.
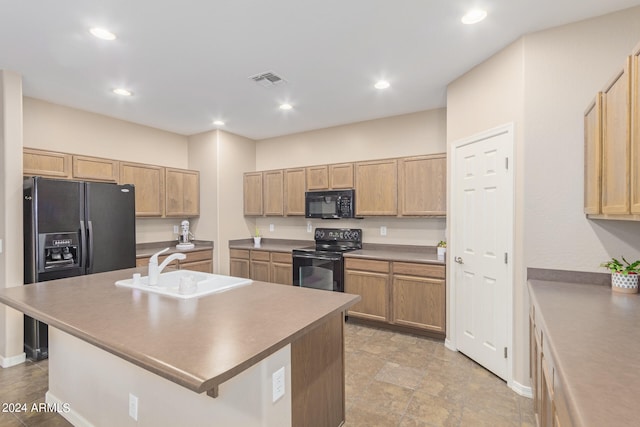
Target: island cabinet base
(92, 387)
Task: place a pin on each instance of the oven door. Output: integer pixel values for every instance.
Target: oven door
(318, 270)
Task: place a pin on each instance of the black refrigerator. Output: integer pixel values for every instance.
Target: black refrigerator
(72, 228)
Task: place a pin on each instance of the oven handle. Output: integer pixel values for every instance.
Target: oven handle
(328, 258)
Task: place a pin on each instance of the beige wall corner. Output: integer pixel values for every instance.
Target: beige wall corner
(11, 258)
(221, 158)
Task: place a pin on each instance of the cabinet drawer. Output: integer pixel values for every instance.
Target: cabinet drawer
(197, 256)
(281, 257)
(414, 269)
(239, 253)
(260, 255)
(366, 265)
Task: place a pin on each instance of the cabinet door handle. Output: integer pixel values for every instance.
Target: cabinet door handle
(458, 260)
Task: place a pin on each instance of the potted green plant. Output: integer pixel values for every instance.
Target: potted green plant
(442, 249)
(624, 275)
(256, 238)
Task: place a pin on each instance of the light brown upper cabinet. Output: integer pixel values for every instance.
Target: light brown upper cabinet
(149, 187)
(294, 187)
(95, 169)
(635, 131)
(253, 193)
(422, 185)
(317, 177)
(273, 193)
(330, 177)
(616, 143)
(341, 176)
(377, 188)
(593, 156)
(46, 163)
(182, 197)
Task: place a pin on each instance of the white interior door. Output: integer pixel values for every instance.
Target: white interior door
(482, 246)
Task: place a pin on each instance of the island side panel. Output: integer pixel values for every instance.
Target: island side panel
(95, 386)
(317, 370)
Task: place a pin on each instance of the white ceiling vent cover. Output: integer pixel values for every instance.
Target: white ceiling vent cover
(268, 79)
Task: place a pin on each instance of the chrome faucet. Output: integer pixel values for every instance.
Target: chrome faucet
(155, 270)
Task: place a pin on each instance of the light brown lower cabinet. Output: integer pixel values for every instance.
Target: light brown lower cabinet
(282, 268)
(198, 260)
(239, 265)
(260, 268)
(549, 400)
(398, 293)
(265, 266)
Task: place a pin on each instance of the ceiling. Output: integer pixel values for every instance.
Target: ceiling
(188, 62)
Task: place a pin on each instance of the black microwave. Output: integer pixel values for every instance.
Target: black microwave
(331, 204)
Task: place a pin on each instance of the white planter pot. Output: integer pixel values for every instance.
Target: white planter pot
(441, 253)
(256, 242)
(627, 284)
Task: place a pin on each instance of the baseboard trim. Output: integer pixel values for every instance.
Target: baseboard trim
(448, 344)
(7, 362)
(66, 411)
(522, 390)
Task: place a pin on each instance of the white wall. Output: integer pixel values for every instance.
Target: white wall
(58, 128)
(11, 256)
(406, 135)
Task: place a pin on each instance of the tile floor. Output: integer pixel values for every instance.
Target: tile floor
(392, 380)
(402, 380)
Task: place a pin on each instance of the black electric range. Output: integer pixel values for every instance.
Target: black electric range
(322, 266)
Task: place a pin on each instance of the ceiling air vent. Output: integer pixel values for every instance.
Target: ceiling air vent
(268, 79)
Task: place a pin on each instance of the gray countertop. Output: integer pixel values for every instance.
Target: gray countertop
(185, 341)
(407, 253)
(593, 335)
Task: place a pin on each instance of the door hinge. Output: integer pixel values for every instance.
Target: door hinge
(506, 258)
(506, 163)
(505, 352)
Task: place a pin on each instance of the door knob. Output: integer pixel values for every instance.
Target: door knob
(458, 260)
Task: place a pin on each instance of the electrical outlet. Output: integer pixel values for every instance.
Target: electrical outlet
(383, 230)
(133, 406)
(272, 227)
(175, 229)
(0, 246)
(309, 227)
(278, 384)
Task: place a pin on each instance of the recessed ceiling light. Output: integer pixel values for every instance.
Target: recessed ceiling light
(103, 34)
(286, 107)
(218, 123)
(474, 16)
(122, 92)
(382, 84)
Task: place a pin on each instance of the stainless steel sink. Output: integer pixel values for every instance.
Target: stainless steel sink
(185, 283)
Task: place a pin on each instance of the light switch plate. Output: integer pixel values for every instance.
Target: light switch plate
(0, 246)
(383, 230)
(278, 384)
(133, 406)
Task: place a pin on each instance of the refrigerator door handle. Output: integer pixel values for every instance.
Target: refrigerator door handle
(83, 245)
(90, 245)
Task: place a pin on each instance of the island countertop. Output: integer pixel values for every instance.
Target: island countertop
(198, 343)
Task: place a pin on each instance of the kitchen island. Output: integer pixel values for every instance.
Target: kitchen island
(207, 360)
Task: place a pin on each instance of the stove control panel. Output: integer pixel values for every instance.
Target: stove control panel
(338, 235)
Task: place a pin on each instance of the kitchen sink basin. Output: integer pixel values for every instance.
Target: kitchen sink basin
(185, 283)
